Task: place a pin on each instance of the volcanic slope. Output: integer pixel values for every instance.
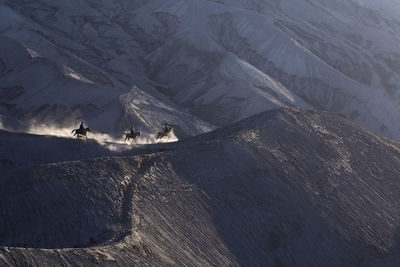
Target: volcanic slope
(198, 63)
(285, 187)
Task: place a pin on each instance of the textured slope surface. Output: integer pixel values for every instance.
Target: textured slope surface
(217, 60)
(287, 187)
(48, 77)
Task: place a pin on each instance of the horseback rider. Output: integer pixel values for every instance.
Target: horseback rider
(131, 134)
(81, 131)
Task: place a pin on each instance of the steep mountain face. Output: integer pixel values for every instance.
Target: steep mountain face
(285, 187)
(45, 79)
(205, 62)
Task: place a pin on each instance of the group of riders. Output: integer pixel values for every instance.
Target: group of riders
(166, 130)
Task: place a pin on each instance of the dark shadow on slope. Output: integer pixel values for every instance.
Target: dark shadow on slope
(298, 188)
(74, 204)
(391, 257)
(26, 149)
(126, 223)
(23, 149)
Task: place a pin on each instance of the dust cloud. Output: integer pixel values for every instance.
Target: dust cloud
(106, 140)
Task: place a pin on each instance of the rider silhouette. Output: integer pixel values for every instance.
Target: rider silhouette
(132, 131)
(166, 127)
(81, 127)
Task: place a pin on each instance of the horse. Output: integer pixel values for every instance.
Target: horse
(80, 132)
(164, 133)
(129, 136)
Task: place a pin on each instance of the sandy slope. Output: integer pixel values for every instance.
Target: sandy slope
(286, 187)
(204, 61)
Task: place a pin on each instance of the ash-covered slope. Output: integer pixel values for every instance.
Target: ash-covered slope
(285, 187)
(48, 77)
(220, 61)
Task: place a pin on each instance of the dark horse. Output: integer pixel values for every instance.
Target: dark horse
(165, 133)
(80, 132)
(129, 136)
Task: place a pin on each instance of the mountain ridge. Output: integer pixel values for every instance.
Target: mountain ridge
(174, 51)
(287, 186)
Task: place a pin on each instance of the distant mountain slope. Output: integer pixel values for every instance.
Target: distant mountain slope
(219, 61)
(285, 187)
(44, 79)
